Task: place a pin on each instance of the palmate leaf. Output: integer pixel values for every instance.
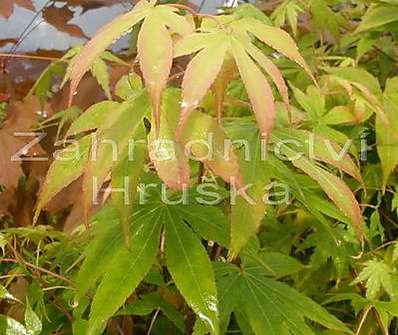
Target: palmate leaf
(221, 43)
(106, 36)
(93, 118)
(257, 88)
(191, 270)
(109, 261)
(156, 58)
(127, 269)
(321, 148)
(201, 72)
(360, 86)
(245, 215)
(120, 128)
(126, 176)
(70, 163)
(100, 251)
(206, 141)
(377, 275)
(208, 222)
(65, 169)
(333, 186)
(270, 307)
(117, 128)
(166, 154)
(377, 16)
(273, 264)
(159, 22)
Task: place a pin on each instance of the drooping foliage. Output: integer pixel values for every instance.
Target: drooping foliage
(238, 177)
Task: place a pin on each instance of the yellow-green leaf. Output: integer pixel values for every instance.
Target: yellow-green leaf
(67, 167)
(277, 39)
(104, 37)
(109, 144)
(126, 271)
(334, 187)
(204, 138)
(200, 74)
(387, 139)
(258, 89)
(378, 15)
(165, 152)
(272, 71)
(155, 52)
(93, 118)
(191, 270)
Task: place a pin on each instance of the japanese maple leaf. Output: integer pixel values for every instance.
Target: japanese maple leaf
(7, 6)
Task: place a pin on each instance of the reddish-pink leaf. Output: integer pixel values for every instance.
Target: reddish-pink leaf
(204, 138)
(273, 72)
(166, 154)
(105, 36)
(277, 39)
(334, 187)
(109, 145)
(169, 160)
(200, 74)
(225, 76)
(258, 89)
(155, 51)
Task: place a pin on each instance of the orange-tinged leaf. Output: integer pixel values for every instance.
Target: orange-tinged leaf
(169, 160)
(155, 52)
(110, 143)
(322, 149)
(105, 36)
(277, 39)
(220, 85)
(258, 89)
(272, 71)
(200, 74)
(334, 187)
(204, 138)
(193, 43)
(166, 154)
(177, 23)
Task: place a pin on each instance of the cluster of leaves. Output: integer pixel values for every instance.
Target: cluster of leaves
(317, 114)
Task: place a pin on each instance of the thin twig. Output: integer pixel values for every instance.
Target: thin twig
(25, 33)
(363, 318)
(19, 260)
(153, 321)
(44, 58)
